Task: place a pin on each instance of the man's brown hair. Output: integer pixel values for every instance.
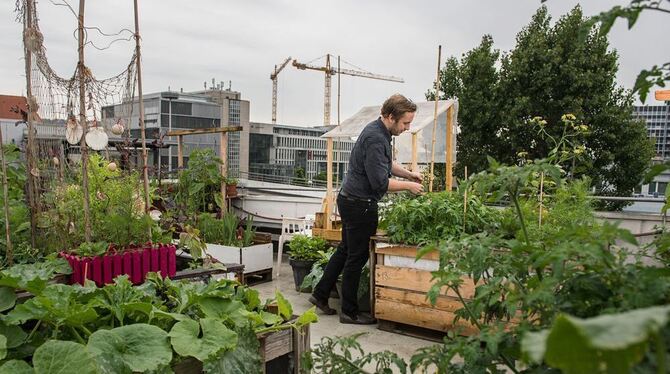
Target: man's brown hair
(396, 106)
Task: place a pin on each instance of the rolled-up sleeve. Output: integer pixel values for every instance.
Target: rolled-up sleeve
(376, 167)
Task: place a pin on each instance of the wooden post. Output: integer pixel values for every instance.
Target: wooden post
(465, 199)
(448, 167)
(5, 194)
(223, 149)
(415, 158)
(84, 124)
(329, 183)
(138, 56)
(30, 160)
(180, 151)
(437, 99)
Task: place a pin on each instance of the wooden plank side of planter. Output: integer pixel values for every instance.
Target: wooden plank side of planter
(430, 318)
(416, 280)
(301, 344)
(445, 303)
(276, 344)
(407, 251)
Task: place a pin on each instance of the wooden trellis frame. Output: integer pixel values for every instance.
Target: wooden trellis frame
(223, 149)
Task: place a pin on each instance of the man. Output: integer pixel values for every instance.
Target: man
(368, 179)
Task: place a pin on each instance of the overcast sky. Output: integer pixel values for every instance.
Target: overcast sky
(187, 43)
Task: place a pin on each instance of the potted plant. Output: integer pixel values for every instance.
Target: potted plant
(305, 251)
(231, 187)
(229, 242)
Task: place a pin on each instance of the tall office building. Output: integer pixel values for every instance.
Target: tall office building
(169, 110)
(657, 118)
(280, 150)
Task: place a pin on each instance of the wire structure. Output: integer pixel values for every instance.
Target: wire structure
(54, 99)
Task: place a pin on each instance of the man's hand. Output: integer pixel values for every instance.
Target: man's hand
(415, 188)
(415, 177)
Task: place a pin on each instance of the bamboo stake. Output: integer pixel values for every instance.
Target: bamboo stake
(415, 165)
(223, 150)
(437, 98)
(5, 195)
(539, 223)
(84, 124)
(30, 160)
(138, 61)
(465, 199)
(448, 165)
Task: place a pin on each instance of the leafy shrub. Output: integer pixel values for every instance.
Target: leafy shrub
(116, 204)
(527, 277)
(19, 214)
(226, 231)
(307, 248)
(436, 216)
(120, 328)
(315, 274)
(200, 182)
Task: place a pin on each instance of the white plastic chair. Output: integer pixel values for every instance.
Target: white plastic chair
(290, 227)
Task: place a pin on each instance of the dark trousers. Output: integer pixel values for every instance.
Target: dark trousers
(359, 223)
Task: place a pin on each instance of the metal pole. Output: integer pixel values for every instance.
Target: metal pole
(138, 56)
(437, 98)
(81, 67)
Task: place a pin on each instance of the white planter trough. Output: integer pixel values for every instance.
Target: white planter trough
(255, 258)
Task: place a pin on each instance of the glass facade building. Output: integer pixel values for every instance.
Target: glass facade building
(657, 118)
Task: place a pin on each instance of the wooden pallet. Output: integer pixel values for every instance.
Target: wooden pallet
(409, 330)
(257, 277)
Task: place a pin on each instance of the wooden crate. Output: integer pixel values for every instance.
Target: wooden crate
(289, 343)
(334, 235)
(400, 289)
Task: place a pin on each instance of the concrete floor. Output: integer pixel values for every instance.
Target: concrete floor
(374, 340)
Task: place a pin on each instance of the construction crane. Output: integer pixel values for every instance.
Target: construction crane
(330, 71)
(273, 76)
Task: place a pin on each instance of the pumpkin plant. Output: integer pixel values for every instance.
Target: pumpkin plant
(120, 328)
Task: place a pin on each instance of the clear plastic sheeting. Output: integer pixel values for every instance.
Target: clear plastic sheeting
(422, 126)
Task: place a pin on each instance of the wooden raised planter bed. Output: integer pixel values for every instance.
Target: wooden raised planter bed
(400, 285)
(136, 262)
(256, 258)
(279, 350)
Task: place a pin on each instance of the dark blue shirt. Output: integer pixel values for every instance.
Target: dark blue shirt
(370, 163)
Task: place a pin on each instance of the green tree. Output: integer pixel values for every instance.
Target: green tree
(299, 177)
(552, 71)
(657, 75)
(474, 82)
(320, 178)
